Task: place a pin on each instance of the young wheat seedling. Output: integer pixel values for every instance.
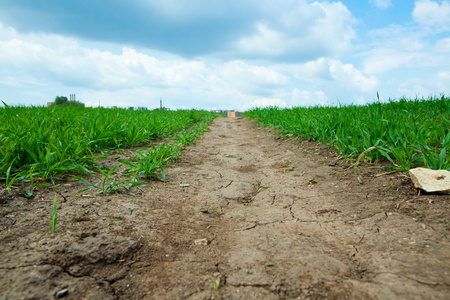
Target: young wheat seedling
(217, 213)
(260, 188)
(54, 215)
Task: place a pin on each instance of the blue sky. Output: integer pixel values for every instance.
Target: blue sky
(230, 54)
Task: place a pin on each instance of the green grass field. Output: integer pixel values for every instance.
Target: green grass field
(47, 143)
(408, 133)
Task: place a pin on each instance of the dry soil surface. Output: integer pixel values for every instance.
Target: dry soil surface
(244, 215)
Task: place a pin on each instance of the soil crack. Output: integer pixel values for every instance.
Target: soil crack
(231, 182)
(247, 228)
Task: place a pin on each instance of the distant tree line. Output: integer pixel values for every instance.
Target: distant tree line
(62, 100)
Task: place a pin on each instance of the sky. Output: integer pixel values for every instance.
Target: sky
(215, 54)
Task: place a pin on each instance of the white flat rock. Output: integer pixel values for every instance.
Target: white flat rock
(431, 181)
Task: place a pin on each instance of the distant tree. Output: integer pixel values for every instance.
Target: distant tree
(62, 100)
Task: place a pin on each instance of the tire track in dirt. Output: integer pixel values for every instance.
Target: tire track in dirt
(288, 229)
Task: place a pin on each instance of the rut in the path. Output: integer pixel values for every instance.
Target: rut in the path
(273, 236)
(286, 229)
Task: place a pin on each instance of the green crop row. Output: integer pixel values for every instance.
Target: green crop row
(49, 142)
(408, 133)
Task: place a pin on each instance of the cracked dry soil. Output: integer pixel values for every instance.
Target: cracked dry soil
(294, 223)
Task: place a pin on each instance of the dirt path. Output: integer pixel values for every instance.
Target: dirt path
(293, 224)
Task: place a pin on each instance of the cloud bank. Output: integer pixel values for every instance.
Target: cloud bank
(215, 54)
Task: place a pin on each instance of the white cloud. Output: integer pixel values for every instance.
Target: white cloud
(398, 47)
(265, 102)
(443, 45)
(250, 78)
(266, 42)
(307, 98)
(327, 81)
(422, 83)
(332, 72)
(383, 60)
(397, 37)
(106, 77)
(301, 31)
(432, 14)
(97, 75)
(310, 71)
(414, 88)
(348, 76)
(317, 69)
(443, 81)
(129, 76)
(67, 62)
(20, 82)
(381, 3)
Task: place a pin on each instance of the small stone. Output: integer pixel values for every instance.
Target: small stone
(201, 242)
(431, 181)
(96, 203)
(62, 293)
(130, 206)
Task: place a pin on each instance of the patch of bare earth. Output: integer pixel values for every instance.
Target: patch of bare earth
(294, 223)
